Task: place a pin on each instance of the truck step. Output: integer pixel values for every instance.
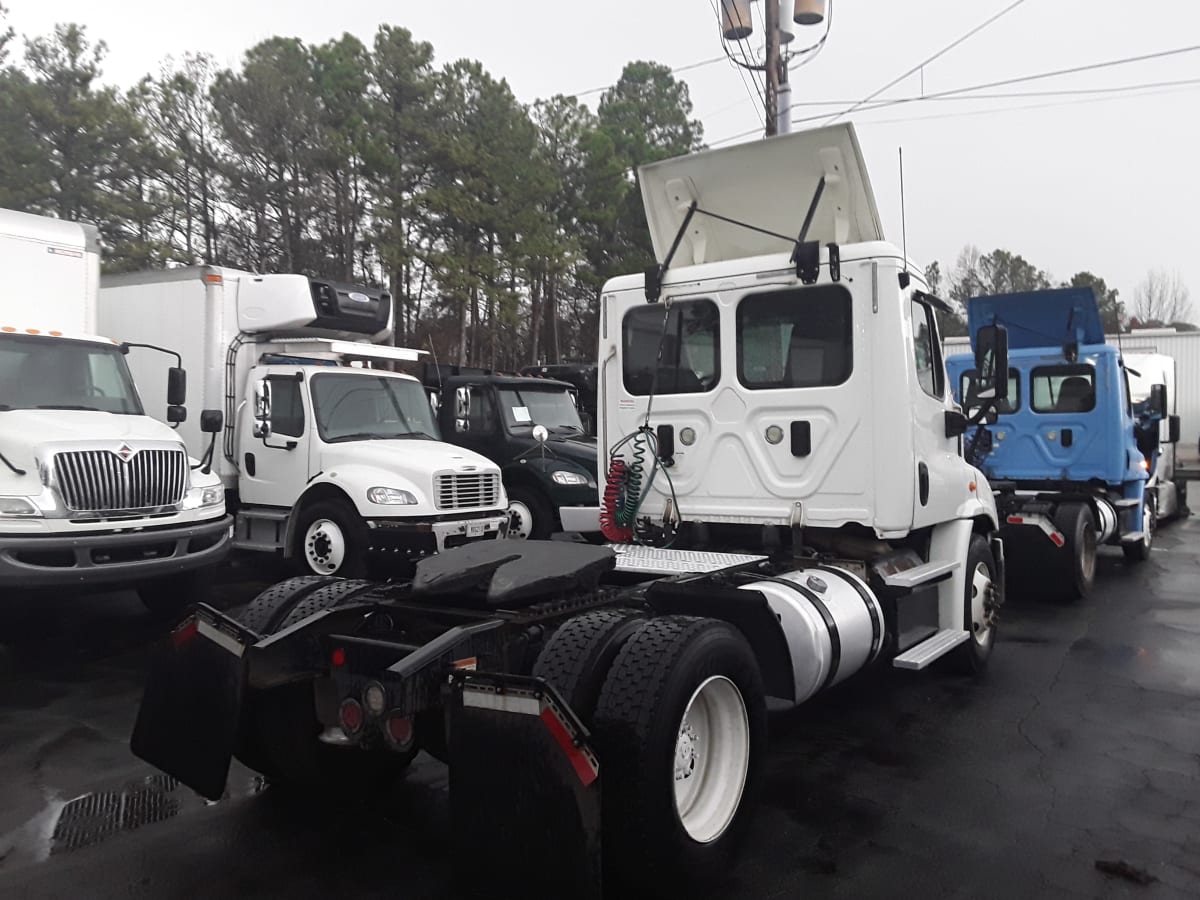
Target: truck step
(922, 574)
(931, 648)
(256, 546)
(1132, 537)
(657, 561)
(1127, 503)
(265, 515)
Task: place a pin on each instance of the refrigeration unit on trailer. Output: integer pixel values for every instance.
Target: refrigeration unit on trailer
(94, 491)
(328, 458)
(1062, 451)
(783, 481)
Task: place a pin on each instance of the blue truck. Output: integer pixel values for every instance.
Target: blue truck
(1067, 452)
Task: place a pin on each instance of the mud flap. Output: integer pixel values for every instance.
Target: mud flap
(524, 790)
(188, 720)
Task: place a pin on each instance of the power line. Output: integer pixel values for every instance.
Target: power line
(974, 31)
(1011, 95)
(675, 71)
(1003, 82)
(758, 97)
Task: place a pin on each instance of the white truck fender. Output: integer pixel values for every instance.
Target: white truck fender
(951, 541)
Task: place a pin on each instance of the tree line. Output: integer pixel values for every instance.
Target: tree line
(493, 223)
(1160, 299)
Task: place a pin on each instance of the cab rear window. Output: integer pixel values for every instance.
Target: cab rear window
(690, 337)
(1063, 389)
(795, 339)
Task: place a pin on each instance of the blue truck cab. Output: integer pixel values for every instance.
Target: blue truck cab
(1062, 450)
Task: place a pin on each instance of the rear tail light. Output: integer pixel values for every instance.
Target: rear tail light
(374, 699)
(399, 731)
(350, 716)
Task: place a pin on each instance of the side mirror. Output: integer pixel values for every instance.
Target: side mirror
(176, 414)
(991, 361)
(1173, 429)
(176, 386)
(1158, 399)
(262, 409)
(956, 423)
(211, 421)
(462, 402)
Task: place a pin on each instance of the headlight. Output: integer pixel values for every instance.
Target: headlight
(200, 498)
(562, 476)
(391, 497)
(18, 507)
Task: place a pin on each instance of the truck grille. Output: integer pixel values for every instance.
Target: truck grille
(101, 481)
(465, 491)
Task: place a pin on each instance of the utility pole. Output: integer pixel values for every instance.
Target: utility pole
(771, 15)
(737, 25)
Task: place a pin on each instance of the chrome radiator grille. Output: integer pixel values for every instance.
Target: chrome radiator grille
(463, 491)
(100, 481)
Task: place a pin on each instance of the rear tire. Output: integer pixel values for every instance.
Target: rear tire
(681, 732)
(1077, 557)
(578, 656)
(279, 731)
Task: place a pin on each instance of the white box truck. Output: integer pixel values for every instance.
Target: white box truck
(326, 459)
(93, 490)
(1159, 438)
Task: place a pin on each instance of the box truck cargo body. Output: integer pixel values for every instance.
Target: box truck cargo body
(328, 457)
(93, 489)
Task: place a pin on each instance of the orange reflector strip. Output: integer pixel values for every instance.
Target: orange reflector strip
(212, 279)
(32, 331)
(8, 328)
(55, 334)
(971, 486)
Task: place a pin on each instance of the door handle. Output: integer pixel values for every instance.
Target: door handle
(923, 483)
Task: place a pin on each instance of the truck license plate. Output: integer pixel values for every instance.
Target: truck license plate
(476, 529)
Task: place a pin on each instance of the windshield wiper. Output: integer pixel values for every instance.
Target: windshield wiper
(376, 436)
(69, 406)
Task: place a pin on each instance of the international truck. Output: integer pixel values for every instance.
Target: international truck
(1150, 376)
(532, 429)
(1062, 450)
(603, 709)
(328, 458)
(95, 491)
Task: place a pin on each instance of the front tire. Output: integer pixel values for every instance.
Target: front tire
(331, 539)
(979, 609)
(681, 731)
(1077, 556)
(530, 516)
(1140, 552)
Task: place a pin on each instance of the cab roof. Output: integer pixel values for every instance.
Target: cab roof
(1034, 319)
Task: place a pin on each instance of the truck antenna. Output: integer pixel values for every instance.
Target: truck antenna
(436, 366)
(903, 225)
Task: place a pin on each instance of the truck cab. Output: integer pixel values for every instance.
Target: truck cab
(95, 491)
(531, 428)
(1152, 390)
(1063, 448)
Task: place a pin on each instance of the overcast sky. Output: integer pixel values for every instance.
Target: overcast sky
(1087, 181)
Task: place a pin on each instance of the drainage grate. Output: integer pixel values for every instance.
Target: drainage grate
(93, 818)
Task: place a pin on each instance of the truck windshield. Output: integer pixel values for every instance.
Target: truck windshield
(526, 407)
(364, 407)
(52, 373)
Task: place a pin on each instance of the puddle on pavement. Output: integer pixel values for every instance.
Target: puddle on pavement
(87, 820)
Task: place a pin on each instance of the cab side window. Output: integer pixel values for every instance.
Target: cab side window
(927, 351)
(287, 407)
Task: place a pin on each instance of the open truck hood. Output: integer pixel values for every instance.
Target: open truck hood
(1040, 318)
(768, 184)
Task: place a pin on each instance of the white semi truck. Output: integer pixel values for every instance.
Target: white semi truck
(325, 459)
(94, 490)
(603, 709)
(1158, 440)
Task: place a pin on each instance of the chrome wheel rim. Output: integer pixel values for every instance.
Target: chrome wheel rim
(324, 547)
(981, 590)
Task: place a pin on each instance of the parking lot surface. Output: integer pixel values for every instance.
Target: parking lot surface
(1071, 769)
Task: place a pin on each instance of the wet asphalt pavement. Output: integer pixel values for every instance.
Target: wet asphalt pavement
(1081, 745)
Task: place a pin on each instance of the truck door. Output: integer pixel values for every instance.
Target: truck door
(935, 456)
(474, 421)
(275, 470)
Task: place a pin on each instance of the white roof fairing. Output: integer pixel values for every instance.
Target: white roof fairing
(768, 184)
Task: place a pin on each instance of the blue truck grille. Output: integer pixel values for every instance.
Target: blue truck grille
(466, 491)
(101, 481)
